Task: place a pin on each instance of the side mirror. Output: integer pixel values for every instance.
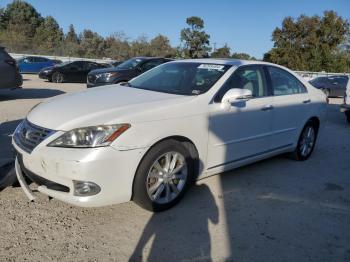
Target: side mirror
(235, 95)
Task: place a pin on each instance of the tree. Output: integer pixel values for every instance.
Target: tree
(19, 22)
(222, 52)
(242, 56)
(160, 46)
(48, 36)
(140, 47)
(71, 42)
(310, 43)
(91, 44)
(196, 40)
(117, 46)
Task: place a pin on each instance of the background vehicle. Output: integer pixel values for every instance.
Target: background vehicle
(75, 71)
(33, 64)
(331, 85)
(150, 138)
(9, 73)
(345, 107)
(124, 71)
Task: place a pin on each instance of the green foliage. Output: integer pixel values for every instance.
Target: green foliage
(222, 52)
(195, 39)
(18, 24)
(242, 56)
(311, 43)
(48, 36)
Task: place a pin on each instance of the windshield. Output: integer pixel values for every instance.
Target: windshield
(63, 63)
(130, 64)
(181, 78)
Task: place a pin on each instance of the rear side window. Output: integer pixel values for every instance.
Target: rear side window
(150, 64)
(247, 77)
(284, 83)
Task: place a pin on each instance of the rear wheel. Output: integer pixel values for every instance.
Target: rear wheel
(163, 176)
(57, 77)
(306, 142)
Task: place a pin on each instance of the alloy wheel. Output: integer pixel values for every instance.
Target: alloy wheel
(167, 177)
(307, 141)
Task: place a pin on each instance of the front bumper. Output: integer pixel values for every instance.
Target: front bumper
(111, 169)
(43, 75)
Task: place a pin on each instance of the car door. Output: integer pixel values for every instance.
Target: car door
(290, 104)
(243, 130)
(72, 71)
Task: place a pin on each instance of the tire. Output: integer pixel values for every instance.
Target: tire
(57, 77)
(326, 92)
(306, 142)
(7, 175)
(347, 114)
(156, 188)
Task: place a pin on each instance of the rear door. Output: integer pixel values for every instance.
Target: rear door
(290, 106)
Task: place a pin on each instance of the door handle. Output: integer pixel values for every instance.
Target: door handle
(267, 107)
(306, 101)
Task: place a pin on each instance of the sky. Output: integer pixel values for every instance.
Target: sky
(246, 26)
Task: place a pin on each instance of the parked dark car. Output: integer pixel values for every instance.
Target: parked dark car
(124, 71)
(75, 71)
(331, 85)
(33, 64)
(9, 72)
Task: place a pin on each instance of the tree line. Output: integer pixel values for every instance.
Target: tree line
(306, 43)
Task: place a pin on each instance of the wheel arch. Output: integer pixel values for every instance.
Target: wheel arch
(189, 145)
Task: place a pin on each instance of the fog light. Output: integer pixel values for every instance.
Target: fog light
(85, 188)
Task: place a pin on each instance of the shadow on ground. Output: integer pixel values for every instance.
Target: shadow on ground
(28, 93)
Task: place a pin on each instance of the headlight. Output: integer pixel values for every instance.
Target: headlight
(107, 75)
(93, 136)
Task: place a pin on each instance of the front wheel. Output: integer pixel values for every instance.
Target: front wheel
(57, 77)
(163, 176)
(306, 142)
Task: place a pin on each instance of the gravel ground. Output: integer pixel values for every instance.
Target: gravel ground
(274, 210)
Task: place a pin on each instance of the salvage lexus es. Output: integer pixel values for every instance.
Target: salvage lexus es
(148, 139)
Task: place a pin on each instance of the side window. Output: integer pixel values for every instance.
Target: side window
(284, 83)
(41, 59)
(150, 64)
(246, 77)
(75, 66)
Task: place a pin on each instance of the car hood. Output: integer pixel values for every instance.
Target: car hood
(110, 70)
(110, 104)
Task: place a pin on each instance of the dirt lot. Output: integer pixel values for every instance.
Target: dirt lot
(275, 210)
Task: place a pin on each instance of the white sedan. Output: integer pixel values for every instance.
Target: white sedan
(147, 140)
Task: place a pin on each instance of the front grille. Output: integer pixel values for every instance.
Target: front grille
(27, 135)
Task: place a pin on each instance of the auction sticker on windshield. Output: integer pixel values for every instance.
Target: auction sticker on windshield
(211, 67)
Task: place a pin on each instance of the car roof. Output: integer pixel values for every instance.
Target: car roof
(225, 61)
